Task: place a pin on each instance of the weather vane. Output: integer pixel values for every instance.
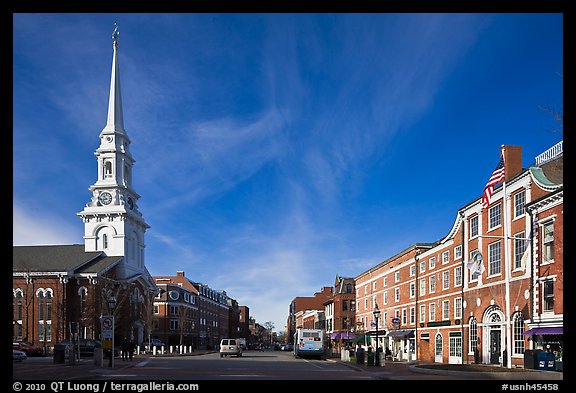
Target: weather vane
(115, 34)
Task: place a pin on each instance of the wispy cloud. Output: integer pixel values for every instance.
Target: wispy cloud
(40, 227)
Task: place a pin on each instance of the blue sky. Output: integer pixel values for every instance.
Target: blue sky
(275, 151)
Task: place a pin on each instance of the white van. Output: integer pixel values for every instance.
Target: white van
(230, 346)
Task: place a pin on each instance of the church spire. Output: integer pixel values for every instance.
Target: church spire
(115, 122)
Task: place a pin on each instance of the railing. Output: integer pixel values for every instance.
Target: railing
(551, 153)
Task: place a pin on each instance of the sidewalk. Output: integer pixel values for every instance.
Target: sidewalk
(403, 370)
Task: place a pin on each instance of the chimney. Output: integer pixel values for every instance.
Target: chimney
(179, 274)
(512, 160)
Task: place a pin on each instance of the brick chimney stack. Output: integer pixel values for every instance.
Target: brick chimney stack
(512, 160)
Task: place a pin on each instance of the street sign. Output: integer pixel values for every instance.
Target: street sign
(107, 327)
(107, 343)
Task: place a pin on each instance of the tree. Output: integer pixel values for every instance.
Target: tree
(269, 326)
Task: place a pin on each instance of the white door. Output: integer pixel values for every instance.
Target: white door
(438, 348)
(455, 348)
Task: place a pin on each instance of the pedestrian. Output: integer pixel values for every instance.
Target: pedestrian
(124, 348)
(131, 349)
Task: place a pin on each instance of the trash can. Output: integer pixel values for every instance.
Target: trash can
(541, 360)
(59, 354)
(550, 361)
(360, 356)
(529, 359)
(370, 358)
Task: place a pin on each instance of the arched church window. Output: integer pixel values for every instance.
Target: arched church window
(108, 169)
(105, 241)
(82, 292)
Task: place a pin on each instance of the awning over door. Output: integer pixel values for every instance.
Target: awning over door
(401, 333)
(544, 331)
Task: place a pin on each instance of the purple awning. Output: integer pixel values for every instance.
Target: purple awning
(544, 331)
(345, 335)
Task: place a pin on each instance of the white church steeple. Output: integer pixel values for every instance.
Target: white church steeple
(115, 121)
(112, 222)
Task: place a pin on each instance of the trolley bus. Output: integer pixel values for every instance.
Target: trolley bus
(309, 343)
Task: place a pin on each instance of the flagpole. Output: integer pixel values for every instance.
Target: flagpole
(507, 266)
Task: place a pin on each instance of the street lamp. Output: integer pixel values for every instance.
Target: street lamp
(376, 313)
(112, 306)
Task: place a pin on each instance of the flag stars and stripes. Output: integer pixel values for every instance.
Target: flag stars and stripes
(497, 176)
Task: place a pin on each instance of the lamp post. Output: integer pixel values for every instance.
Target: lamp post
(376, 313)
(112, 306)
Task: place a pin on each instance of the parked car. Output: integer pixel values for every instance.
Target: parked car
(230, 346)
(28, 348)
(155, 342)
(86, 346)
(287, 347)
(18, 356)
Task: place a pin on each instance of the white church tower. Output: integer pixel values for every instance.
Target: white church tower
(112, 222)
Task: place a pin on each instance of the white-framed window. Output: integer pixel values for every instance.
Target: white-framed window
(432, 263)
(495, 216)
(423, 287)
(445, 309)
(473, 227)
(548, 295)
(385, 297)
(412, 289)
(495, 258)
(365, 289)
(156, 309)
(548, 242)
(519, 203)
(432, 286)
(397, 277)
(366, 303)
(82, 293)
(518, 339)
(422, 313)
(422, 266)
(385, 281)
(397, 294)
(445, 257)
(458, 276)
(44, 314)
(520, 245)
(432, 312)
(374, 286)
(374, 302)
(473, 337)
(412, 270)
(174, 324)
(412, 315)
(446, 279)
(457, 252)
(397, 313)
(458, 308)
(404, 317)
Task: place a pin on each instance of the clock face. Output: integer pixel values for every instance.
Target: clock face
(130, 203)
(105, 198)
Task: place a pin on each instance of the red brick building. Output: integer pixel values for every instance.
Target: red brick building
(488, 291)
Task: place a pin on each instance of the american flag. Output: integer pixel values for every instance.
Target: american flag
(497, 177)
